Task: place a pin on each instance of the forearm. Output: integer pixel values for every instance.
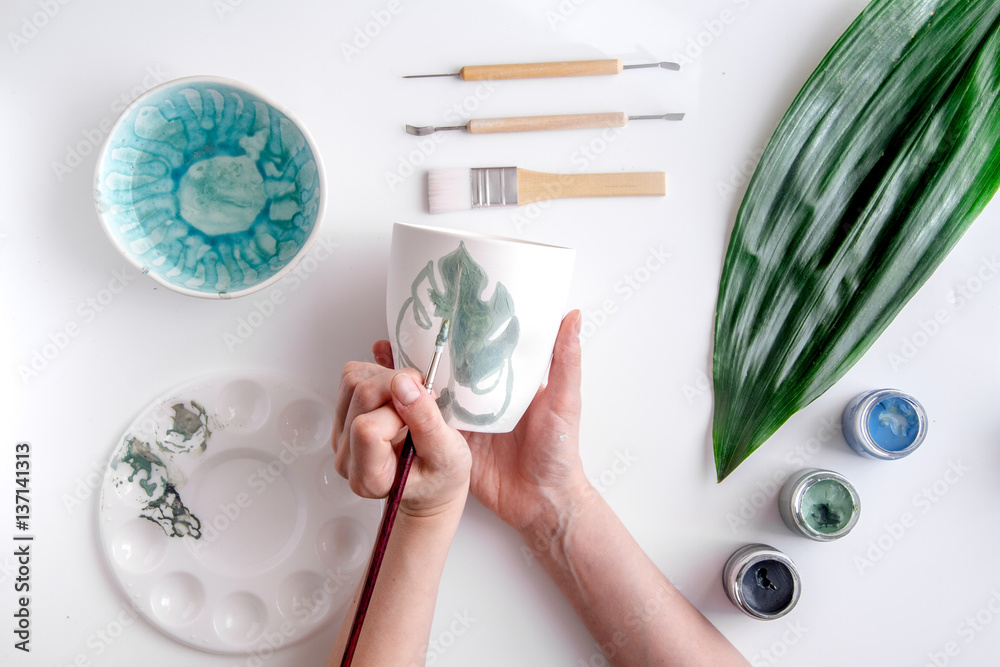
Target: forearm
(398, 622)
(632, 610)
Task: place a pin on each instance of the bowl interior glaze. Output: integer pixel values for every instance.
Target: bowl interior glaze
(209, 187)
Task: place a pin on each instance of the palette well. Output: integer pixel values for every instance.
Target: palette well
(222, 517)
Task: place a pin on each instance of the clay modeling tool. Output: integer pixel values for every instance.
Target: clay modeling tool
(577, 121)
(544, 70)
(462, 189)
(392, 504)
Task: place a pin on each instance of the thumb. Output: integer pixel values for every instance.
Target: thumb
(564, 374)
(419, 411)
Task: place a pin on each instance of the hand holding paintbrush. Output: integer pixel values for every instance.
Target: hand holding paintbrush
(533, 479)
(404, 395)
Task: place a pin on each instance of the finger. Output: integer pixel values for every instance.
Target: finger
(364, 388)
(418, 409)
(565, 373)
(369, 391)
(371, 464)
(353, 374)
(373, 391)
(382, 352)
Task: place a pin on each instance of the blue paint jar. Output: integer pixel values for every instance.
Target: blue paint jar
(884, 424)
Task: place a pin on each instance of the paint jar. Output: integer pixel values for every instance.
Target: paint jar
(884, 424)
(761, 581)
(819, 504)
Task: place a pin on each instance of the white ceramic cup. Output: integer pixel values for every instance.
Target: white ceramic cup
(505, 299)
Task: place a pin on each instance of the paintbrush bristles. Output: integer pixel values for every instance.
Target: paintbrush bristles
(449, 190)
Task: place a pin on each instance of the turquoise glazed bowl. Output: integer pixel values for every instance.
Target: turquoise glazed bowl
(209, 187)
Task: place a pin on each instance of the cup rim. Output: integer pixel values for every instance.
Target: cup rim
(479, 236)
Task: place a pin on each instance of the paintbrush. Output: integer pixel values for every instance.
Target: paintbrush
(392, 506)
(462, 189)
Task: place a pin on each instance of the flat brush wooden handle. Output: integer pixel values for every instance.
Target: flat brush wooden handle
(540, 70)
(533, 186)
(577, 121)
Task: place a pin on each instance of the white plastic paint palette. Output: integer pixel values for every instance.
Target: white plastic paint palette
(223, 518)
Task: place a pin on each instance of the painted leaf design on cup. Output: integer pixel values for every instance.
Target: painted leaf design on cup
(484, 332)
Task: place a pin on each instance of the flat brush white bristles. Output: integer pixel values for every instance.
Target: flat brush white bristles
(449, 190)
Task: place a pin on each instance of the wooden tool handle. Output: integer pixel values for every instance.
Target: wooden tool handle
(534, 186)
(537, 123)
(540, 70)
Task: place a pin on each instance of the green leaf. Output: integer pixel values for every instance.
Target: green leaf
(883, 160)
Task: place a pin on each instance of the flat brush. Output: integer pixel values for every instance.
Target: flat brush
(576, 121)
(391, 507)
(462, 189)
(544, 70)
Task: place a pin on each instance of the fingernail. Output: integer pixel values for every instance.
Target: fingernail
(577, 325)
(405, 389)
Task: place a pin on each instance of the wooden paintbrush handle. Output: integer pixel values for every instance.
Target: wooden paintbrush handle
(576, 121)
(540, 70)
(533, 186)
(378, 552)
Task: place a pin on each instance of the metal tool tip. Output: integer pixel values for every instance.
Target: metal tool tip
(429, 76)
(663, 65)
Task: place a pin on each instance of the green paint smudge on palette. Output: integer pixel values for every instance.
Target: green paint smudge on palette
(151, 467)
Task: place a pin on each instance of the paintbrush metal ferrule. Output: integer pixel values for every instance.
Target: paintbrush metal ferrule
(493, 186)
(439, 344)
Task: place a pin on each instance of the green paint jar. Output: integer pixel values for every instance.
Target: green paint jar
(819, 504)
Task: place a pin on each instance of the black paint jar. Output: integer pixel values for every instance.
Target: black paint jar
(761, 581)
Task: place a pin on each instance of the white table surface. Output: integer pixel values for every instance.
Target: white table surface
(926, 592)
